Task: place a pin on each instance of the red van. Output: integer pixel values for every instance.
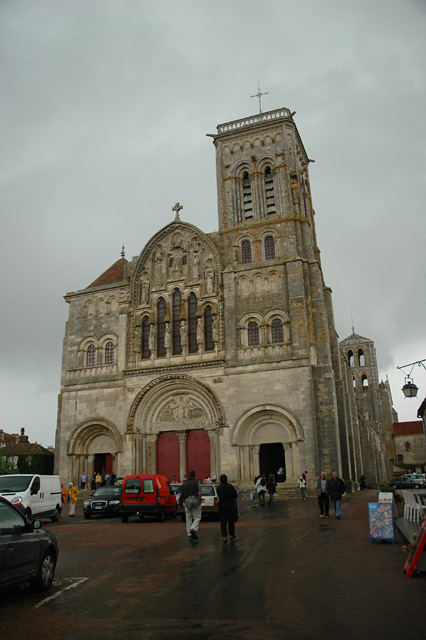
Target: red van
(147, 495)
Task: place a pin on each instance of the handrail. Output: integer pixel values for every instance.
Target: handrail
(260, 117)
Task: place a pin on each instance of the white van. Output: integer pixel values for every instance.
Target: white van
(40, 496)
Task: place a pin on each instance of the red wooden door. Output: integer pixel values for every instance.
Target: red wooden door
(168, 455)
(198, 453)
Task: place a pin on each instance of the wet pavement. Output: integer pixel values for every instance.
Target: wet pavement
(289, 574)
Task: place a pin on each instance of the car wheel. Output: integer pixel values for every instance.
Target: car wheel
(161, 515)
(124, 517)
(417, 486)
(87, 516)
(46, 573)
(55, 517)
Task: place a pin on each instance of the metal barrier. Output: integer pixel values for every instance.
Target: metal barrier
(247, 500)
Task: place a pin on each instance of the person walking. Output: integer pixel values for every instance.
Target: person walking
(228, 512)
(271, 487)
(261, 489)
(191, 499)
(336, 490)
(73, 495)
(322, 488)
(302, 485)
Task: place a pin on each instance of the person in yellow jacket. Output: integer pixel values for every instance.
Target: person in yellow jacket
(73, 495)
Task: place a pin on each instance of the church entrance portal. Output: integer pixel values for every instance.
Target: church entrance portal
(271, 458)
(103, 463)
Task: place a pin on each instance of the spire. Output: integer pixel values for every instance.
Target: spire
(123, 253)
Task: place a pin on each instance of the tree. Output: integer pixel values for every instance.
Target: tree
(5, 466)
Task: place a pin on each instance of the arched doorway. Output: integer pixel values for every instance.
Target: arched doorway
(198, 453)
(268, 438)
(271, 458)
(93, 448)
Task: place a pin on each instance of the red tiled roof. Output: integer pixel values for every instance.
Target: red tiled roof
(25, 449)
(112, 275)
(407, 428)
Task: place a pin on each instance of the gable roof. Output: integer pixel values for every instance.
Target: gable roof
(25, 449)
(354, 337)
(408, 428)
(114, 274)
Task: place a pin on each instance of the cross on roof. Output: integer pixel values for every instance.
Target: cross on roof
(177, 208)
(258, 95)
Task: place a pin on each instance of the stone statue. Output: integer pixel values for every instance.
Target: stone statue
(200, 334)
(145, 291)
(167, 336)
(215, 330)
(151, 338)
(209, 276)
(183, 336)
(195, 266)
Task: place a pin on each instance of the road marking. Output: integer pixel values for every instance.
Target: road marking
(77, 582)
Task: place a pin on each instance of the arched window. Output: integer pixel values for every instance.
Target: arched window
(91, 356)
(208, 329)
(145, 338)
(109, 353)
(364, 381)
(247, 199)
(269, 248)
(361, 358)
(161, 327)
(246, 252)
(407, 446)
(351, 359)
(277, 330)
(354, 383)
(253, 334)
(176, 309)
(192, 323)
(269, 192)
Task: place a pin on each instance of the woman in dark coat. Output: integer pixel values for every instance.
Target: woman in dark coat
(227, 508)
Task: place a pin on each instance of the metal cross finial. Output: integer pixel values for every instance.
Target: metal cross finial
(177, 208)
(258, 95)
(122, 251)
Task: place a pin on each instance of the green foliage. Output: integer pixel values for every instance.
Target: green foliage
(5, 466)
(35, 464)
(385, 488)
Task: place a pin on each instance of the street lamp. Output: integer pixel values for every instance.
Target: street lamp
(410, 389)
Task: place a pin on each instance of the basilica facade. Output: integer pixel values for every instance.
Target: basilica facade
(218, 352)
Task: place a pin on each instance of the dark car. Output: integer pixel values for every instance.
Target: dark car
(409, 481)
(28, 553)
(104, 502)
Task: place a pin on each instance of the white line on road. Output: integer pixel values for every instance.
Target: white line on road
(77, 582)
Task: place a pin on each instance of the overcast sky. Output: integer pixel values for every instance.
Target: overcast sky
(104, 109)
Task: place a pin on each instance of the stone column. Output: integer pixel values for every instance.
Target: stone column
(254, 468)
(295, 458)
(151, 457)
(289, 469)
(182, 435)
(214, 451)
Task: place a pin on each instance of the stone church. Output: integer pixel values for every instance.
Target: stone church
(218, 352)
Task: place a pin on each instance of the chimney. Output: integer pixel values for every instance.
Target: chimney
(23, 438)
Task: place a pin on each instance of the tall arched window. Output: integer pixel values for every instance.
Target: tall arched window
(354, 383)
(351, 358)
(192, 323)
(208, 329)
(161, 327)
(364, 381)
(176, 309)
(109, 353)
(361, 358)
(269, 248)
(247, 198)
(253, 334)
(269, 192)
(277, 330)
(91, 356)
(246, 252)
(145, 338)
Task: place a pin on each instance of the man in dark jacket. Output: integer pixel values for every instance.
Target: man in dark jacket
(336, 488)
(191, 498)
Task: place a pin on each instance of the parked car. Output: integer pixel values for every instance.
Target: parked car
(28, 553)
(209, 502)
(147, 495)
(176, 488)
(39, 495)
(409, 481)
(104, 502)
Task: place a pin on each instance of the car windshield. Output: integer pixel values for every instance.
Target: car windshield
(108, 491)
(207, 490)
(14, 483)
